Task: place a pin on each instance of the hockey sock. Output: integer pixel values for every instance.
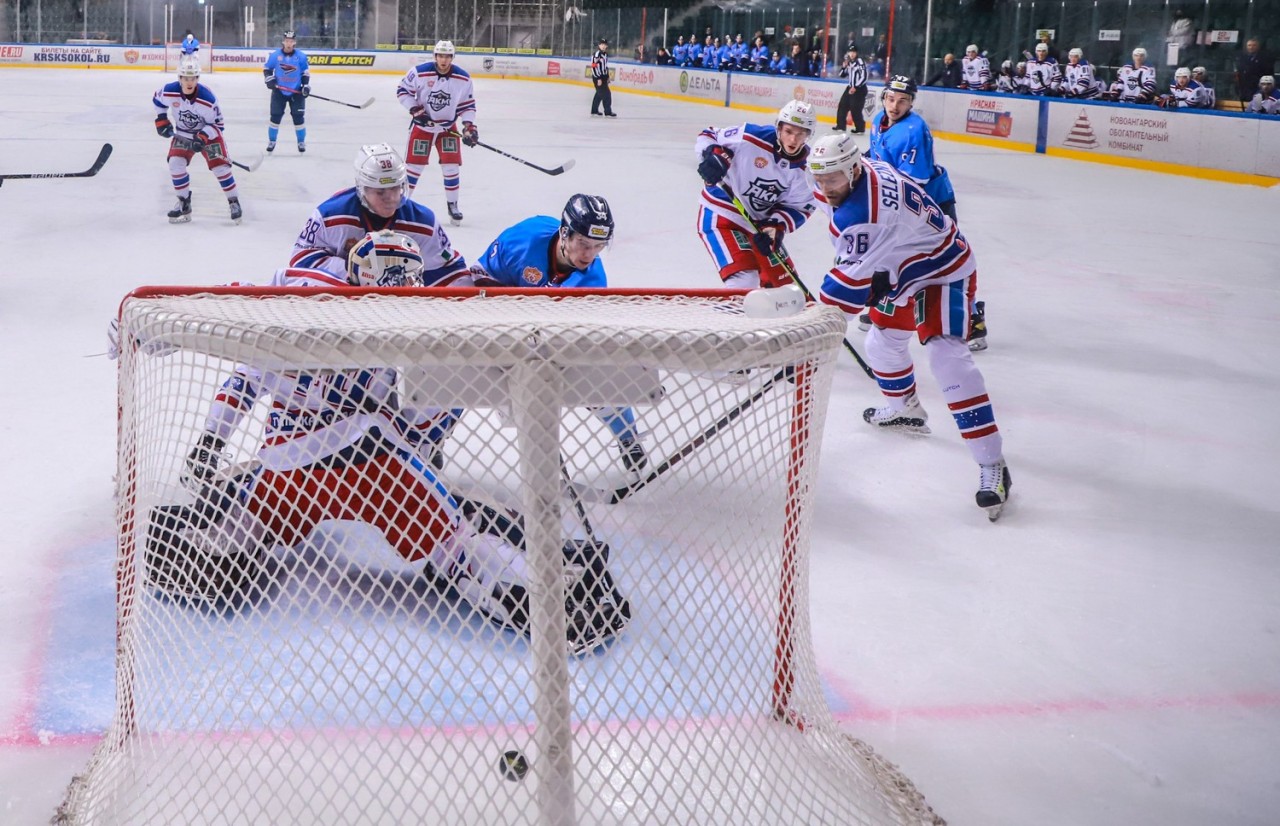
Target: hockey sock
(965, 391)
(302, 135)
(273, 132)
(891, 363)
(620, 420)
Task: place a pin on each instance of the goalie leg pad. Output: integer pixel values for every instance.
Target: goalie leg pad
(596, 609)
(194, 554)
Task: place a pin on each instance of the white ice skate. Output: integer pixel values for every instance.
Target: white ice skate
(993, 489)
(911, 419)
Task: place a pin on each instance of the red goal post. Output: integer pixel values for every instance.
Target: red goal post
(346, 683)
(173, 51)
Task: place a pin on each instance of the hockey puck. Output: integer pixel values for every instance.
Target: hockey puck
(513, 766)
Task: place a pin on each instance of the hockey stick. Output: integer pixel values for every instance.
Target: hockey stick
(364, 105)
(794, 276)
(251, 165)
(613, 497)
(562, 168)
(103, 154)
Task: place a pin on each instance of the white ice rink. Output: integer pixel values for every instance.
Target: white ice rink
(1108, 653)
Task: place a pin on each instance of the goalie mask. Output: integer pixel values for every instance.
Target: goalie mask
(385, 259)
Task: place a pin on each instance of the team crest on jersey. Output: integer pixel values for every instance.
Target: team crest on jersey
(761, 163)
(532, 275)
(763, 193)
(439, 99)
(189, 121)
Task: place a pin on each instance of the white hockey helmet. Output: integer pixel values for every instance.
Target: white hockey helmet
(1140, 52)
(188, 66)
(1267, 80)
(378, 166)
(1042, 48)
(445, 47)
(798, 113)
(1199, 70)
(834, 153)
(971, 49)
(385, 259)
(1076, 52)
(1182, 71)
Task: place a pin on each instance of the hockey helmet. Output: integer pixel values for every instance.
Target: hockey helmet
(378, 166)
(798, 113)
(385, 259)
(445, 47)
(1077, 52)
(289, 34)
(588, 216)
(901, 83)
(1140, 52)
(188, 66)
(1042, 48)
(1007, 66)
(1182, 72)
(834, 153)
(971, 49)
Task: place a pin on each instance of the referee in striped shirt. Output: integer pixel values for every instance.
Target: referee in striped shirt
(855, 94)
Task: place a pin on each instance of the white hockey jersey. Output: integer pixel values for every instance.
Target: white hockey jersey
(1136, 84)
(1078, 81)
(1191, 96)
(769, 186)
(189, 115)
(976, 72)
(446, 98)
(888, 222)
(1043, 76)
(314, 416)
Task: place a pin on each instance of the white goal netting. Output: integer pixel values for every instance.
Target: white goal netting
(301, 639)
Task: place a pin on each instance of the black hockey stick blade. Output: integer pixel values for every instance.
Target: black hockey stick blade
(103, 154)
(251, 165)
(559, 170)
(613, 497)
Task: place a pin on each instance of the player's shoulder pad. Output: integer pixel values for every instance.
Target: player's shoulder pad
(766, 133)
(461, 72)
(416, 213)
(343, 202)
(173, 86)
(204, 93)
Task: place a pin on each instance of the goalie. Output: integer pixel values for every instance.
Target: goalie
(338, 446)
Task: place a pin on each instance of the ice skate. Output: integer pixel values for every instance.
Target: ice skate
(993, 489)
(978, 327)
(864, 322)
(633, 456)
(236, 212)
(455, 215)
(911, 419)
(181, 212)
(302, 147)
(271, 146)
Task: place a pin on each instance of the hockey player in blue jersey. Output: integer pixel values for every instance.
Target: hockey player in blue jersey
(190, 45)
(288, 76)
(543, 252)
(901, 138)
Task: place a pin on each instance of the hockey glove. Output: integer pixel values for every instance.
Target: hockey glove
(198, 143)
(880, 287)
(163, 127)
(715, 163)
(272, 84)
(768, 237)
(304, 89)
(419, 115)
(470, 135)
(204, 458)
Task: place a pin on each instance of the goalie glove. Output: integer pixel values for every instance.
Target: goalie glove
(715, 163)
(470, 135)
(204, 459)
(163, 127)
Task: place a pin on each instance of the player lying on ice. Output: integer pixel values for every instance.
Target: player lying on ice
(338, 446)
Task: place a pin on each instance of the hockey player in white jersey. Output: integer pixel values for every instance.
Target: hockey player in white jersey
(187, 113)
(761, 170)
(1201, 76)
(1044, 78)
(898, 253)
(442, 105)
(975, 71)
(1185, 93)
(1078, 80)
(379, 200)
(340, 446)
(1266, 101)
(1136, 81)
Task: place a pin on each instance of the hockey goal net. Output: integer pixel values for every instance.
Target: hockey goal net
(173, 51)
(341, 682)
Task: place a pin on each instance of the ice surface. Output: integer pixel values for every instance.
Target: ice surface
(1106, 654)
